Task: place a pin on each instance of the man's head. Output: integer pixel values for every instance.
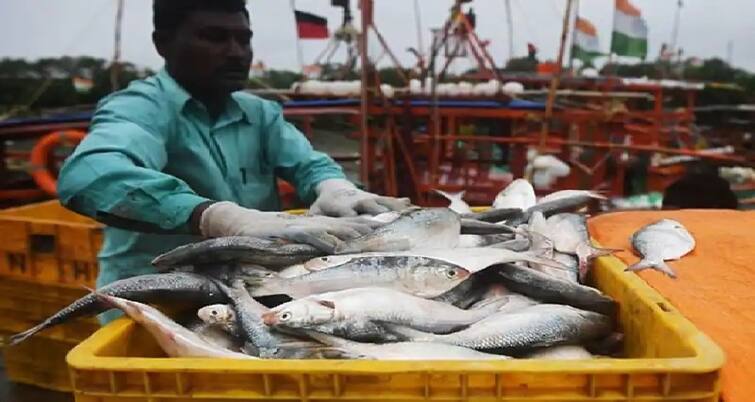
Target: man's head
(206, 44)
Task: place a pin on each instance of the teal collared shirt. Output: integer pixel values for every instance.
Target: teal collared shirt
(153, 154)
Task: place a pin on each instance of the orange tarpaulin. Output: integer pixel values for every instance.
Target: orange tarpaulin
(715, 288)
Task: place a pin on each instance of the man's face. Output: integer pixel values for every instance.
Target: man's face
(210, 53)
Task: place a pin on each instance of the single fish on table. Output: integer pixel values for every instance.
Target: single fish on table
(239, 249)
(421, 276)
(378, 305)
(518, 194)
(416, 228)
(658, 242)
(405, 350)
(570, 235)
(174, 339)
(550, 289)
(159, 288)
(541, 325)
(458, 204)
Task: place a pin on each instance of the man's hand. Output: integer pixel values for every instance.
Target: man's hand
(224, 219)
(339, 197)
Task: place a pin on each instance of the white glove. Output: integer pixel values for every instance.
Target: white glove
(339, 197)
(225, 219)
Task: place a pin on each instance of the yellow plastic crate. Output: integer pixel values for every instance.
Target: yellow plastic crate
(667, 359)
(46, 243)
(41, 362)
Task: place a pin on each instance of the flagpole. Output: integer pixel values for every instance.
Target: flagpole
(573, 38)
(556, 78)
(299, 51)
(418, 23)
(675, 30)
(115, 66)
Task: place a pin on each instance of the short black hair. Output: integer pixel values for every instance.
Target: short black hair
(169, 14)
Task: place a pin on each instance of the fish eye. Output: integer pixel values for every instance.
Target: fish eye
(324, 259)
(285, 316)
(451, 273)
(214, 312)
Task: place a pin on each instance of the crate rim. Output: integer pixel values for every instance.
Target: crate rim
(709, 357)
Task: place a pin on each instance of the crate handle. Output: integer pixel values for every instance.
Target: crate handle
(42, 243)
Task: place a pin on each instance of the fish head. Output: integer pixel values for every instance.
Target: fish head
(217, 314)
(254, 273)
(439, 277)
(300, 313)
(325, 262)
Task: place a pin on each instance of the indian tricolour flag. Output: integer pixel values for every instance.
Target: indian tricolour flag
(630, 32)
(585, 46)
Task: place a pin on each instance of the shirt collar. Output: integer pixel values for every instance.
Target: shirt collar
(180, 97)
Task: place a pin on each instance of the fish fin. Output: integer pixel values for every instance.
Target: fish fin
(474, 226)
(327, 303)
(374, 244)
(656, 265)
(408, 334)
(451, 196)
(586, 252)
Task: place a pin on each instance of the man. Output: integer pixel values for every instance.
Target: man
(182, 154)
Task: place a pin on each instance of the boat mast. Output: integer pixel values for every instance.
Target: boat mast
(115, 65)
(556, 80)
(510, 25)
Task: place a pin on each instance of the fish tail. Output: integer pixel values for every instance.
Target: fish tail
(586, 252)
(451, 196)
(656, 265)
(22, 336)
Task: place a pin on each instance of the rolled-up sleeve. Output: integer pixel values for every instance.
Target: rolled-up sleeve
(293, 157)
(115, 175)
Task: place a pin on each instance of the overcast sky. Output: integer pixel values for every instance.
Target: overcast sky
(37, 28)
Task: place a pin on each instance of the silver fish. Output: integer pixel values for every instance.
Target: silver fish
(664, 240)
(570, 235)
(377, 305)
(251, 250)
(518, 194)
(458, 204)
(174, 339)
(416, 228)
(566, 194)
(163, 288)
(261, 339)
(536, 326)
(550, 289)
(563, 352)
(223, 316)
(216, 335)
(405, 350)
(421, 276)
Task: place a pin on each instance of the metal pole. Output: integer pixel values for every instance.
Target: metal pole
(418, 22)
(510, 23)
(556, 78)
(573, 38)
(366, 8)
(115, 66)
(675, 30)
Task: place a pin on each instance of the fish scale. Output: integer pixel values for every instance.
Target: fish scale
(536, 326)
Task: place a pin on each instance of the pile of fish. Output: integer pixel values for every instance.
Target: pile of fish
(429, 284)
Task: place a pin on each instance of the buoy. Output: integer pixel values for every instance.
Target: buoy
(41, 153)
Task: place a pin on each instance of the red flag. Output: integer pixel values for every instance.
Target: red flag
(311, 26)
